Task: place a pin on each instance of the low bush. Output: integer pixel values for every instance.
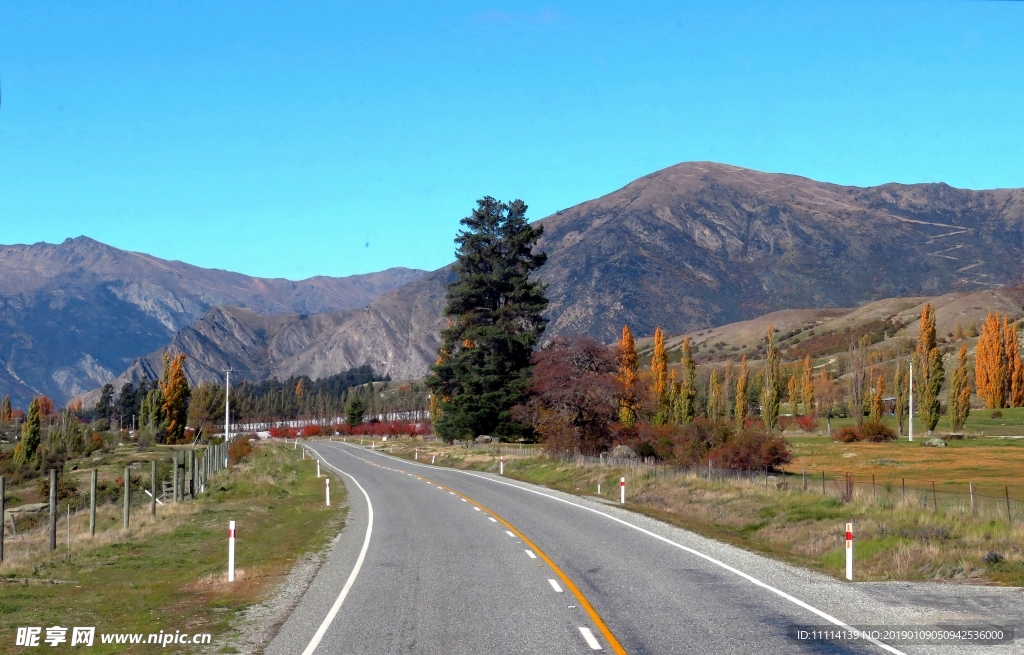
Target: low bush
(997, 414)
(751, 450)
(239, 449)
(875, 431)
(807, 423)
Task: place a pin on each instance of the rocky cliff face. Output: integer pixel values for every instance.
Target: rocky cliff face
(75, 314)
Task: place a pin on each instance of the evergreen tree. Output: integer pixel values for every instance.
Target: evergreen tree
(959, 392)
(770, 391)
(354, 412)
(742, 380)
(627, 376)
(104, 404)
(496, 312)
(31, 436)
(6, 413)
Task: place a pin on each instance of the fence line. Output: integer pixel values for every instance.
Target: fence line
(847, 487)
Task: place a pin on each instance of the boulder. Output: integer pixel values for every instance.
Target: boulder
(624, 452)
(935, 443)
(483, 438)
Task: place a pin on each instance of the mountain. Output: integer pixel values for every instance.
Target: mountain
(699, 245)
(75, 313)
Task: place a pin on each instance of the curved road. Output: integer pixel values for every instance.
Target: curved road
(436, 560)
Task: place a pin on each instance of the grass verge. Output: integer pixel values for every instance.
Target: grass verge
(169, 573)
(894, 540)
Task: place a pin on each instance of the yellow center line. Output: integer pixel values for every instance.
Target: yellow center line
(584, 603)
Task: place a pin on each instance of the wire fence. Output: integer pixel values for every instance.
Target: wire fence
(988, 501)
(29, 529)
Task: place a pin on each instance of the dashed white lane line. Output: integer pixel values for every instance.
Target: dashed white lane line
(529, 553)
(591, 640)
(554, 585)
(463, 500)
(452, 492)
(492, 519)
(509, 533)
(477, 509)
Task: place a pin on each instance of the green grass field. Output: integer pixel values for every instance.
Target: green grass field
(170, 573)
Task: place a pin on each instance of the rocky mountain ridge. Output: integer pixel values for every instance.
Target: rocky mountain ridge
(74, 314)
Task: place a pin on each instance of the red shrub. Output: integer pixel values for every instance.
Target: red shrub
(311, 431)
(751, 450)
(807, 423)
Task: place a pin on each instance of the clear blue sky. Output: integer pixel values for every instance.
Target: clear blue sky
(279, 139)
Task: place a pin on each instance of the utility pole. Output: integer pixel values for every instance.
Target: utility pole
(227, 406)
(910, 419)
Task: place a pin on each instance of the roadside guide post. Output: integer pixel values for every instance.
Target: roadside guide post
(849, 551)
(503, 466)
(328, 481)
(231, 551)
(622, 491)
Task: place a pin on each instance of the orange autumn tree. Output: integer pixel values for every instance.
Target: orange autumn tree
(1013, 383)
(990, 364)
(174, 386)
(46, 407)
(627, 376)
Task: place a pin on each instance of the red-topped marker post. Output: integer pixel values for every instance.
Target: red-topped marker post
(849, 551)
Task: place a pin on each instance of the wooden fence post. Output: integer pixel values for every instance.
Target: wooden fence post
(127, 495)
(974, 502)
(935, 499)
(3, 492)
(53, 509)
(152, 488)
(1009, 517)
(92, 503)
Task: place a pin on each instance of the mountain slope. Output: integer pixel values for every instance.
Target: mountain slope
(700, 244)
(74, 314)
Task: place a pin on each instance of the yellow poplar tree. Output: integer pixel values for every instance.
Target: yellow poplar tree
(714, 396)
(990, 364)
(176, 396)
(659, 377)
(877, 402)
(742, 380)
(627, 375)
(793, 391)
(807, 386)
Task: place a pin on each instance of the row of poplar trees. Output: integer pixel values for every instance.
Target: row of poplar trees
(674, 396)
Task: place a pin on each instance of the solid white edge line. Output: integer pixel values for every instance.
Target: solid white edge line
(746, 576)
(554, 585)
(591, 640)
(322, 630)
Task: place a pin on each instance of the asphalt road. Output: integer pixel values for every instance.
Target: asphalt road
(435, 560)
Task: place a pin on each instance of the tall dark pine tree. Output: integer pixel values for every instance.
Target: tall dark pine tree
(495, 321)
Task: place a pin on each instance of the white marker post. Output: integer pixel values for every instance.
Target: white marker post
(622, 491)
(432, 459)
(231, 551)
(373, 446)
(849, 551)
(417, 454)
(318, 469)
(328, 481)
(502, 466)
